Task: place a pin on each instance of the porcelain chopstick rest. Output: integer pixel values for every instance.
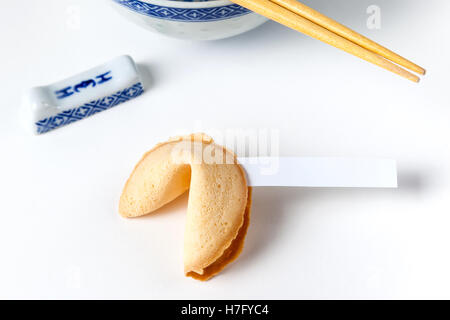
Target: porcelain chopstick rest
(98, 89)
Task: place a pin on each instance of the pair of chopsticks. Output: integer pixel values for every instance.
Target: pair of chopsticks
(302, 18)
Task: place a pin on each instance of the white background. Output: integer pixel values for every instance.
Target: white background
(61, 235)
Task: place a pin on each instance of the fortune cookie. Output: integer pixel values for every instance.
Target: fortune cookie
(218, 212)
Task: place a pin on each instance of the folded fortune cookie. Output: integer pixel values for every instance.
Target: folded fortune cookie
(219, 202)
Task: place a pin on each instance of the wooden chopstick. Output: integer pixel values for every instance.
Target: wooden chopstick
(283, 16)
(334, 26)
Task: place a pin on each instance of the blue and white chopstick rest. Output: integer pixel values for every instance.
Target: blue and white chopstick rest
(90, 92)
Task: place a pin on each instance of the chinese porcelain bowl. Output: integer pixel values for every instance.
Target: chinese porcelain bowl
(192, 20)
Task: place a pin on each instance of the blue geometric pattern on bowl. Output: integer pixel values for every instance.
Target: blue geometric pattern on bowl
(89, 109)
(190, 0)
(185, 14)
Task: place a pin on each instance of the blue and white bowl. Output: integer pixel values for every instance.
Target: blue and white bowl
(193, 20)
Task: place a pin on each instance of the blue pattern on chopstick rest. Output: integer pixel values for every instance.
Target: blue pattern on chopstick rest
(89, 109)
(185, 14)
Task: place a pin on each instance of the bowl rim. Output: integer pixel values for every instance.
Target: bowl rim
(189, 4)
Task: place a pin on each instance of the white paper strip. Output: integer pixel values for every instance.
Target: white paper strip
(320, 172)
